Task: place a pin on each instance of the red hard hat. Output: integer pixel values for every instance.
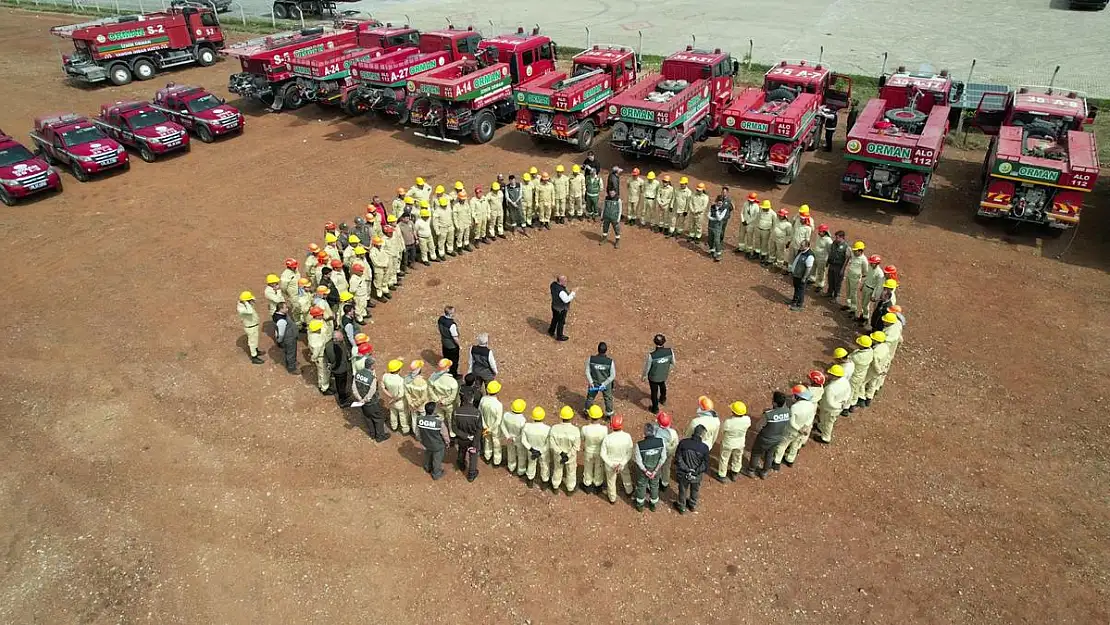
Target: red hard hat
(663, 419)
(316, 311)
(823, 228)
(357, 268)
(329, 225)
(477, 189)
(891, 271)
(874, 259)
(617, 422)
(817, 378)
(388, 229)
(336, 263)
(805, 219)
(365, 348)
(752, 197)
(797, 389)
(291, 263)
(783, 212)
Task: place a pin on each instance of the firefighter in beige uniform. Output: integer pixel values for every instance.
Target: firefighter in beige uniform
(803, 231)
(311, 260)
(861, 360)
(393, 396)
(616, 453)
(273, 293)
(420, 191)
(528, 197)
(331, 247)
(289, 278)
(317, 345)
(635, 196)
(249, 316)
(764, 222)
(443, 228)
(302, 302)
(780, 239)
(880, 365)
(872, 283)
(348, 253)
(821, 247)
(576, 201)
(416, 392)
(533, 437)
(397, 207)
(545, 200)
(746, 234)
(857, 263)
(838, 391)
(651, 194)
(734, 436)
(395, 246)
(892, 328)
(423, 230)
(443, 389)
(479, 215)
(512, 422)
(496, 200)
(562, 191)
(679, 207)
(360, 288)
(664, 205)
(699, 204)
(593, 435)
(491, 410)
(802, 413)
(564, 441)
(380, 260)
(663, 421)
(788, 454)
(464, 220)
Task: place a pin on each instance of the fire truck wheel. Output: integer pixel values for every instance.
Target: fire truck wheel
(280, 11)
(203, 133)
(484, 126)
(586, 133)
(292, 98)
(685, 154)
(120, 74)
(146, 154)
(354, 107)
(79, 173)
(143, 69)
(5, 198)
(206, 57)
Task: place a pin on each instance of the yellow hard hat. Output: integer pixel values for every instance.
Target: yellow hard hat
(394, 366)
(527, 177)
(272, 279)
(651, 175)
(701, 186)
(738, 408)
(533, 171)
(425, 212)
(419, 181)
(803, 209)
(863, 340)
(840, 352)
(392, 219)
(496, 186)
(440, 189)
(594, 412)
(890, 318)
(765, 205)
(836, 370)
(576, 169)
(890, 283)
(683, 180)
(416, 365)
(459, 185)
(359, 250)
(330, 238)
(560, 169)
(246, 296)
(409, 200)
(443, 201)
(878, 336)
(315, 325)
(424, 204)
(518, 406)
(858, 245)
(538, 414)
(346, 296)
(353, 239)
(494, 387)
(445, 364)
(566, 413)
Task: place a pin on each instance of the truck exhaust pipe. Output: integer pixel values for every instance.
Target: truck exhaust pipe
(1053, 80)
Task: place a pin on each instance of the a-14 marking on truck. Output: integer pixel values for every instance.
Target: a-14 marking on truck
(467, 90)
(919, 157)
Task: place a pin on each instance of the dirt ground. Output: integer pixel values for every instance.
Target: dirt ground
(150, 474)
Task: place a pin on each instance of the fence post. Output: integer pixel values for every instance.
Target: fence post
(243, 15)
(587, 37)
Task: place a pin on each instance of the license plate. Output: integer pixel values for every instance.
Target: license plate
(36, 185)
(110, 161)
(172, 144)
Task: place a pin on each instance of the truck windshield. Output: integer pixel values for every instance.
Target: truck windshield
(146, 118)
(14, 154)
(203, 103)
(82, 135)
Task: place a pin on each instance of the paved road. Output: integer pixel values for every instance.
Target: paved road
(1016, 42)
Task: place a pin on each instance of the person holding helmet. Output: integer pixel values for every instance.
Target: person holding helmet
(695, 210)
(780, 235)
(872, 283)
(657, 368)
(706, 417)
(533, 437)
(861, 361)
(380, 261)
(249, 316)
(764, 223)
(616, 452)
(479, 212)
(318, 339)
(853, 275)
(838, 392)
(650, 208)
(545, 200)
(443, 229)
(491, 410)
(286, 332)
(821, 248)
(880, 365)
(564, 441)
(364, 390)
(679, 208)
(289, 278)
(512, 422)
(469, 428)
(443, 389)
(273, 293)
(601, 372)
(802, 413)
(691, 462)
(463, 218)
(420, 191)
(664, 206)
(423, 230)
(562, 191)
(576, 199)
(416, 391)
(393, 396)
(593, 435)
(734, 438)
(649, 454)
(528, 197)
(670, 437)
(433, 435)
(770, 432)
(635, 196)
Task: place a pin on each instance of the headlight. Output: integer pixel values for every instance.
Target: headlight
(83, 159)
(8, 183)
(119, 149)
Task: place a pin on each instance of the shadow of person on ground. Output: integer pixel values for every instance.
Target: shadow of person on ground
(409, 450)
(537, 324)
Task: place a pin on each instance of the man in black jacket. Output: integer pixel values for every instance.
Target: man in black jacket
(285, 334)
(449, 338)
(560, 305)
(338, 356)
(468, 429)
(433, 435)
(691, 462)
(770, 431)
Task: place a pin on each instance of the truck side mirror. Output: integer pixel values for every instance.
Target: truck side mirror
(707, 72)
(735, 67)
(1092, 111)
(639, 65)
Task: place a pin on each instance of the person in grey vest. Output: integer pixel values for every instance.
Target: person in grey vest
(601, 371)
(611, 216)
(514, 204)
(838, 260)
(468, 429)
(718, 219)
(770, 431)
(337, 354)
(649, 456)
(560, 306)
(481, 363)
(364, 390)
(657, 368)
(800, 268)
(433, 434)
(614, 181)
(449, 338)
(285, 334)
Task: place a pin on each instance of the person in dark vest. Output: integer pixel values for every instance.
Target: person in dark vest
(433, 434)
(449, 338)
(364, 390)
(611, 216)
(691, 461)
(481, 362)
(601, 372)
(514, 204)
(657, 367)
(799, 269)
(649, 456)
(468, 429)
(338, 356)
(830, 125)
(591, 163)
(884, 300)
(560, 305)
(614, 181)
(349, 325)
(770, 431)
(853, 114)
(838, 259)
(285, 334)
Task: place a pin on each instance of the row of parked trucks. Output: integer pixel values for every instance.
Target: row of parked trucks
(453, 84)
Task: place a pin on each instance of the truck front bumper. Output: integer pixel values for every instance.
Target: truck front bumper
(85, 72)
(30, 185)
(249, 85)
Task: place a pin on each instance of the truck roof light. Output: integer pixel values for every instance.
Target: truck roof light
(535, 31)
(1022, 90)
(781, 64)
(520, 30)
(1072, 94)
(818, 67)
(944, 73)
(901, 69)
(597, 47)
(689, 48)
